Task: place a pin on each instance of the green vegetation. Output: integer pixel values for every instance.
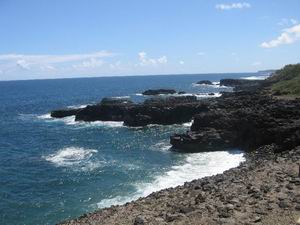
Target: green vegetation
(286, 81)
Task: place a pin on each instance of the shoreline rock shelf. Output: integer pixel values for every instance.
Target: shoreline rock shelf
(243, 120)
(165, 111)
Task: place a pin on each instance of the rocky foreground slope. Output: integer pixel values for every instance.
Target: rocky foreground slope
(264, 190)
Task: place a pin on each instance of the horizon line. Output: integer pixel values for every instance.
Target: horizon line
(140, 75)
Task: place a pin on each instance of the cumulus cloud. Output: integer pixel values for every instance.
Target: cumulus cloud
(45, 61)
(257, 63)
(288, 36)
(23, 64)
(237, 5)
(49, 63)
(201, 53)
(287, 22)
(89, 64)
(145, 60)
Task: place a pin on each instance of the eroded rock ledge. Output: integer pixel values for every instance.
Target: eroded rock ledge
(243, 120)
(170, 110)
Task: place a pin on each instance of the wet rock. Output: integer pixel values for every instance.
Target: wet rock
(207, 82)
(158, 91)
(64, 113)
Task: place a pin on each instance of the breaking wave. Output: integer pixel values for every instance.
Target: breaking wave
(255, 77)
(195, 166)
(72, 156)
(70, 120)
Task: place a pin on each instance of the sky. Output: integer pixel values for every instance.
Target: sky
(87, 38)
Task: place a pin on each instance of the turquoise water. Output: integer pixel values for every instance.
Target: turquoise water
(55, 169)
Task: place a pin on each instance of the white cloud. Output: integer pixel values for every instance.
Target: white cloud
(89, 64)
(201, 53)
(23, 64)
(36, 59)
(237, 5)
(257, 63)
(287, 22)
(145, 60)
(10, 63)
(288, 36)
(47, 62)
(181, 62)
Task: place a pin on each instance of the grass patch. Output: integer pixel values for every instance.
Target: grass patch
(286, 81)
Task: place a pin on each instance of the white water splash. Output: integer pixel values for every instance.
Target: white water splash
(213, 85)
(70, 156)
(77, 106)
(70, 120)
(195, 166)
(255, 77)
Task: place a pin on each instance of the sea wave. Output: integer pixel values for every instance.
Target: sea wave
(121, 97)
(77, 106)
(162, 146)
(215, 84)
(70, 156)
(70, 120)
(255, 77)
(188, 124)
(195, 166)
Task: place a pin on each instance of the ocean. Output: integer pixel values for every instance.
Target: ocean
(56, 169)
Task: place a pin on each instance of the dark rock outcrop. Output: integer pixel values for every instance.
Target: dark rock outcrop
(109, 109)
(64, 113)
(159, 110)
(208, 82)
(243, 120)
(242, 84)
(159, 91)
(164, 111)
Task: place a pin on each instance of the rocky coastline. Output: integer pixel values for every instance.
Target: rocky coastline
(265, 189)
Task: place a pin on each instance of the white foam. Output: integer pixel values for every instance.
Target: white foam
(77, 106)
(45, 116)
(103, 123)
(255, 77)
(206, 95)
(139, 94)
(194, 166)
(70, 156)
(162, 146)
(213, 85)
(70, 120)
(121, 97)
(188, 124)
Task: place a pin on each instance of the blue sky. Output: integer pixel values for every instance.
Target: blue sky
(77, 38)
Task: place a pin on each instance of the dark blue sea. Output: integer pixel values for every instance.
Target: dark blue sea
(55, 169)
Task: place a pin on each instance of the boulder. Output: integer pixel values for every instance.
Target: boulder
(207, 82)
(159, 91)
(64, 113)
(242, 84)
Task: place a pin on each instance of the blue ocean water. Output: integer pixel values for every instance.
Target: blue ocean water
(55, 169)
